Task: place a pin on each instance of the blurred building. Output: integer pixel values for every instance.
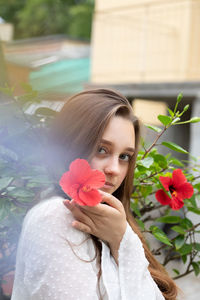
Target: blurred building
(53, 65)
(6, 30)
(6, 34)
(149, 49)
(146, 41)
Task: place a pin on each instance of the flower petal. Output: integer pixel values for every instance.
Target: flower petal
(90, 198)
(81, 182)
(66, 182)
(80, 170)
(78, 200)
(178, 178)
(166, 182)
(73, 191)
(185, 191)
(162, 197)
(96, 180)
(176, 203)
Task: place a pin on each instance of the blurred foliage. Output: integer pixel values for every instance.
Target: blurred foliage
(174, 229)
(23, 177)
(33, 18)
(3, 78)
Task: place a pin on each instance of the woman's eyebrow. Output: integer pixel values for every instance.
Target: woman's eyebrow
(130, 149)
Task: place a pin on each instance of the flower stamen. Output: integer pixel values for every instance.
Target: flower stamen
(174, 193)
(86, 188)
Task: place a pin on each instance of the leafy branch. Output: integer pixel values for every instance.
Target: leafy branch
(178, 242)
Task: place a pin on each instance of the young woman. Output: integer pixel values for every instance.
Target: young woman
(67, 251)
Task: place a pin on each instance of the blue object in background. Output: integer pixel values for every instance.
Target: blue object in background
(65, 76)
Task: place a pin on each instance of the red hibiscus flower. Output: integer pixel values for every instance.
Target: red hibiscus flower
(81, 183)
(178, 187)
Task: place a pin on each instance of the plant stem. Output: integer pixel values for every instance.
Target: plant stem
(193, 227)
(154, 143)
(183, 274)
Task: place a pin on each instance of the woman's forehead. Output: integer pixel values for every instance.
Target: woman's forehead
(121, 131)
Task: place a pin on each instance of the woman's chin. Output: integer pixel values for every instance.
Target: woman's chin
(107, 188)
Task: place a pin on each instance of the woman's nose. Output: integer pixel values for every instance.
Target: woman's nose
(112, 166)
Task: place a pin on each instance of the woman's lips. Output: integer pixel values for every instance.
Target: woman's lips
(108, 185)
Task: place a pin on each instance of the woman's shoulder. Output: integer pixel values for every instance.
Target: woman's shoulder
(49, 205)
(52, 208)
(47, 233)
(51, 215)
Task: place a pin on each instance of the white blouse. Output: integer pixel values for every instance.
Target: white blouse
(57, 262)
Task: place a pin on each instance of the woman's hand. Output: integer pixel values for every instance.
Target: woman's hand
(107, 222)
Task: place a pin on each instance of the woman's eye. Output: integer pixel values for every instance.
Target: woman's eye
(125, 157)
(101, 150)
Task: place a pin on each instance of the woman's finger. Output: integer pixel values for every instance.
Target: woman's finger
(77, 213)
(111, 200)
(101, 208)
(68, 204)
(81, 226)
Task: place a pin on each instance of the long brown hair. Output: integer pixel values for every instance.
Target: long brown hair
(77, 131)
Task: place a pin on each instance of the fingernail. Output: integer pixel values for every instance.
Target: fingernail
(66, 202)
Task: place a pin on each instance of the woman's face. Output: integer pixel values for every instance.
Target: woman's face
(114, 152)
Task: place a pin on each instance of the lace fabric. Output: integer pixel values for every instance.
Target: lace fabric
(47, 267)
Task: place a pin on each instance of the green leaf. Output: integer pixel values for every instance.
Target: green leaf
(179, 242)
(186, 223)
(8, 153)
(176, 162)
(174, 147)
(197, 246)
(140, 223)
(146, 162)
(21, 193)
(169, 219)
(146, 190)
(4, 210)
(191, 202)
(135, 208)
(140, 168)
(154, 128)
(4, 182)
(40, 179)
(162, 238)
(197, 186)
(184, 258)
(176, 271)
(185, 249)
(160, 235)
(194, 210)
(170, 112)
(165, 120)
(196, 268)
(178, 229)
(161, 160)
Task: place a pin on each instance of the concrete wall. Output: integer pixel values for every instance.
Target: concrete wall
(146, 41)
(17, 75)
(6, 32)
